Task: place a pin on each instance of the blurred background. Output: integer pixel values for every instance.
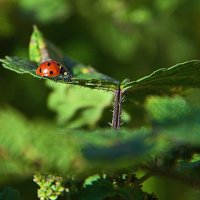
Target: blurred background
(123, 39)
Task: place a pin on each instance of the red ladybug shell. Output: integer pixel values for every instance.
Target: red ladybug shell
(50, 69)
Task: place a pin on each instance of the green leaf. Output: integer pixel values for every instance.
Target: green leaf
(89, 180)
(175, 119)
(178, 122)
(28, 145)
(106, 188)
(9, 193)
(41, 50)
(19, 65)
(163, 109)
(23, 66)
(99, 190)
(36, 46)
(77, 107)
(166, 81)
(123, 151)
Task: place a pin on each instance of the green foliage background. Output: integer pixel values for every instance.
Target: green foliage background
(123, 39)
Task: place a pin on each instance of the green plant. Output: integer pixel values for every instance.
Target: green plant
(103, 163)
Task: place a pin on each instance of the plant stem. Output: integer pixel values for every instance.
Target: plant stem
(193, 182)
(143, 178)
(117, 109)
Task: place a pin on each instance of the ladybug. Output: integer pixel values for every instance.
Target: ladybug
(52, 69)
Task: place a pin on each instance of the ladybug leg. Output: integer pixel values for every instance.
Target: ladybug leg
(68, 76)
(56, 79)
(63, 77)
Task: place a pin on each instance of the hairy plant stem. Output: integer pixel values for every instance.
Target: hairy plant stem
(117, 109)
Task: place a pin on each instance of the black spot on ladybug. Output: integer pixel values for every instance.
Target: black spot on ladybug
(40, 70)
(51, 72)
(48, 64)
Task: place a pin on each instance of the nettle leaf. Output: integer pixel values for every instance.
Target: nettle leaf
(120, 151)
(89, 180)
(41, 50)
(24, 66)
(166, 81)
(175, 118)
(20, 65)
(36, 46)
(164, 109)
(106, 189)
(28, 146)
(100, 189)
(75, 106)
